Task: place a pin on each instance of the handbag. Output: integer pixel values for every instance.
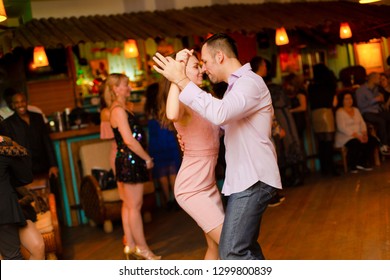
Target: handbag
(11, 148)
(106, 179)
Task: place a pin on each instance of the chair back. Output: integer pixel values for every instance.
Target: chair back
(95, 156)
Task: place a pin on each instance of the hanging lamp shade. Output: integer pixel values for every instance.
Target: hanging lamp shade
(281, 37)
(40, 57)
(345, 31)
(130, 49)
(3, 14)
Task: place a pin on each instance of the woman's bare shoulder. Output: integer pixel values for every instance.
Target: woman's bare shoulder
(105, 114)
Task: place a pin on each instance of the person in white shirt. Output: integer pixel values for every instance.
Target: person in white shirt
(245, 113)
(351, 132)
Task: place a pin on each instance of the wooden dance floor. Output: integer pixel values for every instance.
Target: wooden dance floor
(338, 218)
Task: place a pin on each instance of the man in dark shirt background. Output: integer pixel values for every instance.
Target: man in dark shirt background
(29, 130)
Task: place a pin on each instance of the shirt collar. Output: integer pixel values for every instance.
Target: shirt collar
(238, 73)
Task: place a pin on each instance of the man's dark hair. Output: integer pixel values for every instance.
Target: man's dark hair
(8, 94)
(222, 41)
(256, 63)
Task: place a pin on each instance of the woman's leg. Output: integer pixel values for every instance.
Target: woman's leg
(133, 194)
(32, 240)
(164, 182)
(172, 179)
(133, 198)
(129, 241)
(353, 153)
(215, 234)
(322, 156)
(212, 238)
(212, 249)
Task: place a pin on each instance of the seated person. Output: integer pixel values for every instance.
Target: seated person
(370, 104)
(29, 130)
(351, 132)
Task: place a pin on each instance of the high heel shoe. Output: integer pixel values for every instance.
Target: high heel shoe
(129, 252)
(145, 254)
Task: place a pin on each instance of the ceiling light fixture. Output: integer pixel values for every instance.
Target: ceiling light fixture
(281, 37)
(3, 14)
(130, 49)
(345, 30)
(40, 57)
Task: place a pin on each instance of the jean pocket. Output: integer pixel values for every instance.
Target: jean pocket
(267, 192)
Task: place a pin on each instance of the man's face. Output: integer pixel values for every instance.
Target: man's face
(19, 104)
(210, 65)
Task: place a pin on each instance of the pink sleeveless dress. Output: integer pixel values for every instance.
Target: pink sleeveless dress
(195, 185)
(106, 133)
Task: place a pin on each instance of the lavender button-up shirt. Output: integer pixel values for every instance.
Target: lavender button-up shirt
(245, 113)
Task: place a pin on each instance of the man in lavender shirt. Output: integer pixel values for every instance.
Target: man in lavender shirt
(245, 113)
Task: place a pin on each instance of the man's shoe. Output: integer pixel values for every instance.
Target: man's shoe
(354, 170)
(365, 168)
(276, 200)
(384, 149)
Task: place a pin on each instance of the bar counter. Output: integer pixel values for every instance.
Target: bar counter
(67, 146)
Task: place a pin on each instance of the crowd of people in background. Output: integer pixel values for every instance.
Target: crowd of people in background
(356, 118)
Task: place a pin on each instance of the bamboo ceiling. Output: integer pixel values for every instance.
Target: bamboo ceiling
(307, 22)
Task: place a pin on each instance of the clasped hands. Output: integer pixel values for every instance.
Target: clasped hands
(173, 70)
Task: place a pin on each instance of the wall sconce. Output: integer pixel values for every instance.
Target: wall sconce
(40, 57)
(3, 14)
(281, 37)
(345, 30)
(130, 49)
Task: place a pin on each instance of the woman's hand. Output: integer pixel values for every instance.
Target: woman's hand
(181, 143)
(184, 55)
(149, 163)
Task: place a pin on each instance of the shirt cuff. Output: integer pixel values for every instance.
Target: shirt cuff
(187, 94)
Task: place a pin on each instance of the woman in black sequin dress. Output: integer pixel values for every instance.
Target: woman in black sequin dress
(130, 167)
(131, 163)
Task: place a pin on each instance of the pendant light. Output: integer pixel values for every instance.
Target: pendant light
(3, 14)
(281, 37)
(345, 31)
(130, 49)
(40, 57)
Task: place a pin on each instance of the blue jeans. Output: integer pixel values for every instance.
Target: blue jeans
(241, 226)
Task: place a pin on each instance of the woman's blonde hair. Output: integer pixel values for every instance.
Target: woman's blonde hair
(112, 80)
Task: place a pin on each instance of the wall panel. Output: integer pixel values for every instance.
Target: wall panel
(51, 95)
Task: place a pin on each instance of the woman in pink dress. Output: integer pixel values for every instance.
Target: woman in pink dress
(195, 186)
